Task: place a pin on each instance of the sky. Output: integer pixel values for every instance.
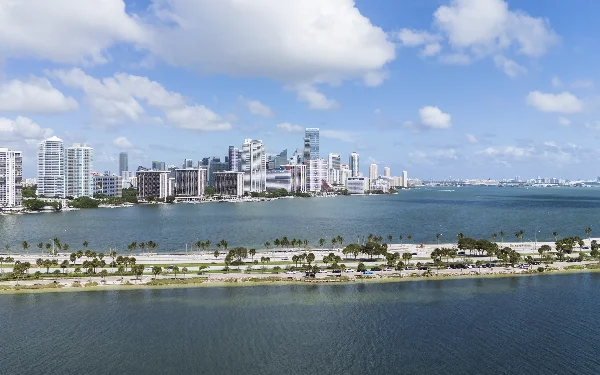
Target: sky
(440, 88)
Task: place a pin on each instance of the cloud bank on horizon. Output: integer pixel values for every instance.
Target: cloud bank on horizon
(481, 88)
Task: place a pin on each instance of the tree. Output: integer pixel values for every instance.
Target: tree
(361, 267)
(460, 235)
(156, 270)
(494, 236)
(40, 246)
(184, 270)
(389, 237)
(333, 242)
(267, 245)
(588, 230)
(24, 245)
(64, 265)
(175, 270)
(520, 234)
(103, 274)
(555, 234)
(2, 260)
(86, 244)
(310, 258)
(216, 254)
(321, 242)
(407, 257)
(252, 253)
(502, 234)
(409, 238)
(437, 237)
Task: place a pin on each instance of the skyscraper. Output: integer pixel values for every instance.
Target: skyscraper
(373, 172)
(11, 178)
(316, 174)
(79, 166)
(235, 162)
(387, 172)
(334, 162)
(188, 163)
(123, 163)
(254, 166)
(404, 179)
(353, 164)
(159, 166)
(312, 134)
(51, 168)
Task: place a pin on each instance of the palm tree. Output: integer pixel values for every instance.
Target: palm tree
(437, 237)
(519, 235)
(555, 235)
(86, 244)
(207, 243)
(321, 242)
(66, 247)
(267, 245)
(588, 230)
(494, 236)
(409, 238)
(340, 240)
(502, 234)
(333, 242)
(277, 242)
(460, 235)
(156, 270)
(25, 245)
(64, 265)
(40, 246)
(175, 270)
(390, 238)
(184, 270)
(216, 254)
(252, 253)
(400, 238)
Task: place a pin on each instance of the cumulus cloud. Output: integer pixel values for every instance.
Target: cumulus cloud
(123, 143)
(257, 108)
(508, 66)
(314, 98)
(36, 95)
(416, 38)
(548, 153)
(434, 118)
(121, 98)
(22, 129)
(66, 31)
(286, 126)
(472, 139)
(564, 102)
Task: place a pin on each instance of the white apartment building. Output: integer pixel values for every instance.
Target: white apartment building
(79, 167)
(344, 174)
(317, 174)
(254, 166)
(229, 184)
(334, 163)
(387, 172)
(51, 168)
(354, 164)
(357, 185)
(190, 182)
(11, 178)
(405, 179)
(373, 172)
(152, 184)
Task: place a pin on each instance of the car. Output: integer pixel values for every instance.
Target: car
(348, 270)
(387, 269)
(322, 271)
(170, 267)
(337, 271)
(423, 268)
(586, 248)
(376, 269)
(409, 268)
(290, 272)
(309, 274)
(285, 258)
(367, 272)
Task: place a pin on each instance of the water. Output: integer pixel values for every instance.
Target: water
(521, 325)
(421, 213)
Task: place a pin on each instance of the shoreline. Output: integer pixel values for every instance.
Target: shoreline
(246, 282)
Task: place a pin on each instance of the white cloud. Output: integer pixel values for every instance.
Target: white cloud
(509, 151)
(564, 121)
(434, 118)
(508, 66)
(456, 59)
(548, 152)
(65, 31)
(435, 158)
(556, 82)
(119, 99)
(415, 38)
(594, 125)
(375, 78)
(22, 129)
(314, 98)
(123, 143)
(339, 135)
(257, 108)
(294, 42)
(286, 126)
(34, 96)
(472, 139)
(564, 102)
(582, 84)
(431, 49)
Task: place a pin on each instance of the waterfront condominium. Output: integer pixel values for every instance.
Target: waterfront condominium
(190, 182)
(317, 175)
(234, 159)
(229, 183)
(51, 168)
(312, 135)
(123, 163)
(11, 178)
(254, 166)
(79, 166)
(373, 172)
(353, 164)
(387, 172)
(334, 163)
(152, 184)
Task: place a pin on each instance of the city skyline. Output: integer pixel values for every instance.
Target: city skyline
(415, 87)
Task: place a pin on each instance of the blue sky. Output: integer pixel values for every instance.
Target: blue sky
(461, 88)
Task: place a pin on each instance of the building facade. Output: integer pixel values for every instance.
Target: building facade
(152, 184)
(334, 163)
(387, 172)
(159, 165)
(254, 166)
(344, 174)
(298, 177)
(280, 178)
(79, 166)
(405, 179)
(11, 178)
(357, 185)
(51, 168)
(317, 175)
(373, 172)
(190, 182)
(312, 134)
(353, 163)
(123, 163)
(234, 159)
(109, 185)
(229, 184)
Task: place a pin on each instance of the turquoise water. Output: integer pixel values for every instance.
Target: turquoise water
(521, 325)
(421, 213)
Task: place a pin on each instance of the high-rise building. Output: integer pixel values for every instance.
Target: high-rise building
(306, 153)
(11, 178)
(387, 172)
(216, 165)
(229, 184)
(159, 166)
(280, 178)
(123, 163)
(353, 164)
(344, 174)
(405, 179)
(188, 163)
(334, 163)
(234, 159)
(298, 173)
(152, 184)
(190, 182)
(373, 172)
(254, 166)
(317, 174)
(51, 168)
(312, 134)
(109, 185)
(275, 162)
(79, 166)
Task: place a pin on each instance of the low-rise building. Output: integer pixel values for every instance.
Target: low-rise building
(152, 184)
(109, 185)
(190, 182)
(230, 184)
(357, 185)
